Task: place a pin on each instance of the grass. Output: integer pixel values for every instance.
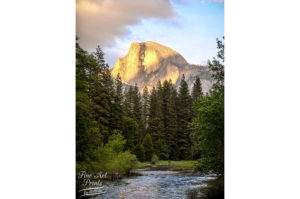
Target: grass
(176, 165)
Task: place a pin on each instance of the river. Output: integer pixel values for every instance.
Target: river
(153, 184)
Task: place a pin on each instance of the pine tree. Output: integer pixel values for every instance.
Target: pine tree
(137, 106)
(159, 114)
(145, 109)
(117, 109)
(159, 92)
(217, 68)
(137, 113)
(197, 90)
(165, 106)
(109, 85)
(172, 126)
(99, 92)
(139, 151)
(184, 117)
(99, 57)
(161, 149)
(152, 113)
(128, 103)
(169, 118)
(156, 125)
(130, 132)
(148, 147)
(196, 95)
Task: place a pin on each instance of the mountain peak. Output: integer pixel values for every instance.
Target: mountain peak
(151, 45)
(148, 62)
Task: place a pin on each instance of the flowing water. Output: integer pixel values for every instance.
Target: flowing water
(153, 184)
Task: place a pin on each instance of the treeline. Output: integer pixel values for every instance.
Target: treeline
(159, 117)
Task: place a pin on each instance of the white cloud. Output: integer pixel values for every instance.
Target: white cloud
(101, 22)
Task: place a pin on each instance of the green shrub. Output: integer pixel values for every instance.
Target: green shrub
(112, 159)
(154, 159)
(116, 143)
(122, 163)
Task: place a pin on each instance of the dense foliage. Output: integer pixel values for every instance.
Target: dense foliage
(208, 125)
(100, 143)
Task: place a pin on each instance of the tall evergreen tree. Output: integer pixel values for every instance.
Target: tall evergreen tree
(169, 119)
(184, 117)
(117, 104)
(139, 151)
(196, 94)
(197, 90)
(163, 145)
(128, 103)
(148, 147)
(130, 129)
(217, 68)
(99, 80)
(172, 126)
(159, 91)
(145, 109)
(109, 85)
(165, 106)
(137, 113)
(156, 126)
(152, 113)
(160, 135)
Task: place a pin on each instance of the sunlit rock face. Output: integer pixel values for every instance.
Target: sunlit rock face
(148, 62)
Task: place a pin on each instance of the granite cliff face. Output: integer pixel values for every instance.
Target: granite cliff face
(148, 62)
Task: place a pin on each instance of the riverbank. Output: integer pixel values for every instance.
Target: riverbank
(181, 165)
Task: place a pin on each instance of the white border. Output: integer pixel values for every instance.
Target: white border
(37, 103)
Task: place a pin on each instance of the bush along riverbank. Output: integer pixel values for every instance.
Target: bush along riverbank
(110, 162)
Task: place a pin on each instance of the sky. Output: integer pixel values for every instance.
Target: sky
(188, 26)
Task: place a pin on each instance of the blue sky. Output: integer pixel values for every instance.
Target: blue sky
(187, 26)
